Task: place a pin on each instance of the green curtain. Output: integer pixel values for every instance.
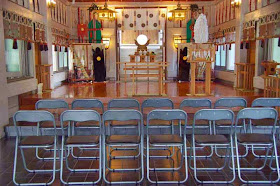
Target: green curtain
(94, 36)
(190, 27)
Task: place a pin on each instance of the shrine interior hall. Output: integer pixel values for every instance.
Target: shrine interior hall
(139, 92)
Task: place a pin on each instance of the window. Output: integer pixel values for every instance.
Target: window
(19, 62)
(275, 50)
(225, 57)
(60, 58)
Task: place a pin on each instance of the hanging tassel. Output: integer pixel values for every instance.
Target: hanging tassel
(41, 47)
(46, 47)
(59, 48)
(224, 47)
(66, 49)
(217, 47)
(241, 45)
(247, 46)
(262, 43)
(279, 42)
(29, 45)
(55, 48)
(229, 46)
(15, 46)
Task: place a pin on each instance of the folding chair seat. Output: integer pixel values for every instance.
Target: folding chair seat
(167, 141)
(258, 139)
(267, 122)
(35, 142)
(82, 141)
(120, 139)
(210, 140)
(115, 141)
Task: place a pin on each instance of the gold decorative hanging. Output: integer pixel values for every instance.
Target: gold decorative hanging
(105, 13)
(179, 13)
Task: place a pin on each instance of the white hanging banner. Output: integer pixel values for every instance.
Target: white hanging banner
(141, 19)
(153, 19)
(128, 19)
(201, 29)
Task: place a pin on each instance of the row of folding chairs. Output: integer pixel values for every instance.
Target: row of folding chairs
(105, 141)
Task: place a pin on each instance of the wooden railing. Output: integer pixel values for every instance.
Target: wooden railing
(245, 73)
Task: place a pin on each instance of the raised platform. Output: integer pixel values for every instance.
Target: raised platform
(109, 90)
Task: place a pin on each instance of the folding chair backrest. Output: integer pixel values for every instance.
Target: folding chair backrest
(193, 105)
(123, 115)
(80, 116)
(214, 115)
(266, 102)
(157, 103)
(123, 104)
(88, 104)
(34, 116)
(51, 104)
(167, 115)
(259, 114)
(230, 103)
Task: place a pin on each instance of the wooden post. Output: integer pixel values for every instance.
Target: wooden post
(208, 78)
(193, 67)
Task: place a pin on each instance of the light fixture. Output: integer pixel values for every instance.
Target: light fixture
(177, 14)
(51, 3)
(103, 13)
(235, 3)
(106, 42)
(177, 39)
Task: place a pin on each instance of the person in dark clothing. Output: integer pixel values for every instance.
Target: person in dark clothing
(184, 66)
(99, 65)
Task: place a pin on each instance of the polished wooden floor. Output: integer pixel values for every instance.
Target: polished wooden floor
(109, 90)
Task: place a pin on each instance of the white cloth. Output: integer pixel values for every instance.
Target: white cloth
(201, 29)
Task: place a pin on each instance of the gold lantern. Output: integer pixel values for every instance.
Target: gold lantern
(177, 14)
(106, 13)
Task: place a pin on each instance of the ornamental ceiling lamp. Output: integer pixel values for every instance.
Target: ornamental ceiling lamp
(235, 3)
(103, 13)
(177, 14)
(51, 4)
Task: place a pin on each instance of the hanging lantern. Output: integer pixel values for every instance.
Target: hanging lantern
(104, 13)
(241, 45)
(41, 47)
(177, 14)
(262, 43)
(29, 47)
(247, 46)
(15, 46)
(46, 47)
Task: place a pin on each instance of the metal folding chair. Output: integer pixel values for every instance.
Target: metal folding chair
(56, 107)
(191, 106)
(167, 140)
(234, 104)
(86, 104)
(123, 141)
(260, 139)
(34, 142)
(213, 115)
(90, 141)
(264, 102)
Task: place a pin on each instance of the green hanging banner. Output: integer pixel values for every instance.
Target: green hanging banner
(94, 31)
(190, 28)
